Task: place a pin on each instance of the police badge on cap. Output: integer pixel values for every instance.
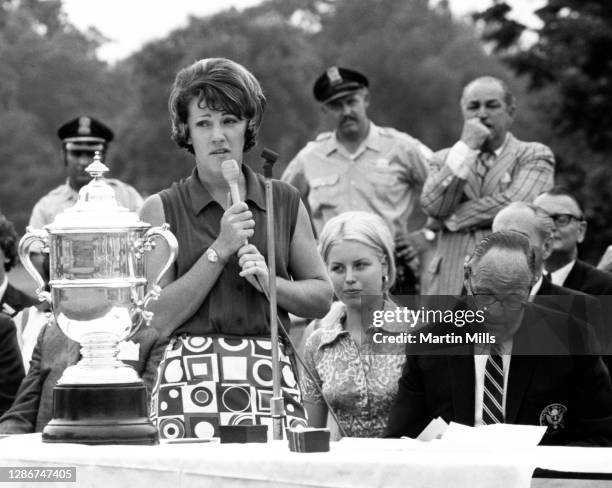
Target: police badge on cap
(337, 82)
(553, 417)
(85, 132)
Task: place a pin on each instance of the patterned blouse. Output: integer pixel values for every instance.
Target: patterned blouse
(360, 386)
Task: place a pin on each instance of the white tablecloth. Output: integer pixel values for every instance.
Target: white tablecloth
(351, 463)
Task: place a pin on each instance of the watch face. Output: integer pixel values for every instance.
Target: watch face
(212, 256)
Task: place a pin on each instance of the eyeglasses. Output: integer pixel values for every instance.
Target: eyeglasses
(561, 220)
(509, 302)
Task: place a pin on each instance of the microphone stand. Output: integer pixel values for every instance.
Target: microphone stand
(277, 406)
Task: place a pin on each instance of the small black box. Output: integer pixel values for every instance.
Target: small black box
(242, 434)
(308, 440)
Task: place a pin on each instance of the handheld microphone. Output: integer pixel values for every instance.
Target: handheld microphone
(231, 173)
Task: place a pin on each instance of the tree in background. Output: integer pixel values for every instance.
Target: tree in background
(569, 66)
(417, 58)
(49, 73)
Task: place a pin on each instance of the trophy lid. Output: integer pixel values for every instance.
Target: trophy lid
(97, 206)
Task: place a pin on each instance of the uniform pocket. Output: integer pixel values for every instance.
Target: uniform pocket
(324, 191)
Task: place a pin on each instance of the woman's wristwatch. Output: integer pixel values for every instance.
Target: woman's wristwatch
(213, 256)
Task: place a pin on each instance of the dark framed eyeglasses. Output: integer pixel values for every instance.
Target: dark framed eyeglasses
(563, 219)
(484, 300)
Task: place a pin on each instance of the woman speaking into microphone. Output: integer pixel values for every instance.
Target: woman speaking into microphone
(216, 369)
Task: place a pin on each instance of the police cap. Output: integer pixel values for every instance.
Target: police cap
(85, 133)
(337, 82)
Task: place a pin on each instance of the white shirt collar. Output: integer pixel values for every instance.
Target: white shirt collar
(536, 288)
(3, 287)
(499, 150)
(558, 277)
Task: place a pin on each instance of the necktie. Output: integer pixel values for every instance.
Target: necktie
(492, 401)
(483, 162)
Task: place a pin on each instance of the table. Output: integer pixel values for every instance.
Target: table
(351, 463)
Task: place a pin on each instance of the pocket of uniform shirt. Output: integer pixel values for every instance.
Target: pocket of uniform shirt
(325, 191)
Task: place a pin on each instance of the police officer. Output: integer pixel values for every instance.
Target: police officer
(360, 166)
(81, 138)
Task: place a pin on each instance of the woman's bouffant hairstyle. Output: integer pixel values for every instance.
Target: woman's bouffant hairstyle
(8, 242)
(219, 84)
(363, 227)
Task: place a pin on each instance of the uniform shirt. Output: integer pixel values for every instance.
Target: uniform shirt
(384, 176)
(64, 196)
(359, 383)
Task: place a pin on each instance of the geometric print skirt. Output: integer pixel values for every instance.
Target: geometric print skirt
(206, 381)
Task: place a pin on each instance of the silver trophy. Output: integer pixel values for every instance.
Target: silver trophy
(98, 292)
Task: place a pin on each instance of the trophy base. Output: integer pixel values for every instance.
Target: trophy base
(101, 414)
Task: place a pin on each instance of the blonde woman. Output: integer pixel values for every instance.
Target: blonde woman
(357, 248)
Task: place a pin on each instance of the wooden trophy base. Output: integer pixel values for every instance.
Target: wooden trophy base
(101, 414)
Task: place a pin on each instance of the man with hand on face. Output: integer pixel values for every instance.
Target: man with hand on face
(360, 166)
(569, 230)
(480, 174)
(542, 368)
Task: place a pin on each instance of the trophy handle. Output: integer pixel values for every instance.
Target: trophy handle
(148, 244)
(32, 236)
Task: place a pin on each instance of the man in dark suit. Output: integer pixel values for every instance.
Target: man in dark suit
(537, 226)
(11, 366)
(54, 352)
(527, 376)
(569, 230)
(12, 300)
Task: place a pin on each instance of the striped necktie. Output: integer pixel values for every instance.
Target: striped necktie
(492, 401)
(483, 164)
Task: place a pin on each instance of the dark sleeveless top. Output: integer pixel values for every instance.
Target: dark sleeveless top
(233, 306)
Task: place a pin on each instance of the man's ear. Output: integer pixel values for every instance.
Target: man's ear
(547, 248)
(366, 97)
(582, 228)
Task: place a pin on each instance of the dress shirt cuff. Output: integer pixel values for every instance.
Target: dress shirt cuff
(460, 159)
(451, 223)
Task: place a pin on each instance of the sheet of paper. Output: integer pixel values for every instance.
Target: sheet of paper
(504, 436)
(434, 430)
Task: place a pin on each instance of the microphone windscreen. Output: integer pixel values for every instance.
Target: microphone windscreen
(230, 170)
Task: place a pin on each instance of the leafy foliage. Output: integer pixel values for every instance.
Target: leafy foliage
(572, 57)
(417, 57)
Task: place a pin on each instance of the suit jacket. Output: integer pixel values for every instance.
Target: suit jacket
(573, 302)
(54, 352)
(14, 300)
(589, 279)
(522, 171)
(11, 365)
(443, 385)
